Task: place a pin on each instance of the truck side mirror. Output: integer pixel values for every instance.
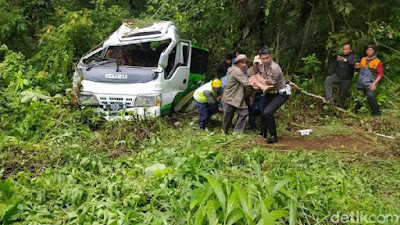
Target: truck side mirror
(163, 61)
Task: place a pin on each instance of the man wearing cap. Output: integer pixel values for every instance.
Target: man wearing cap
(239, 51)
(342, 74)
(257, 67)
(233, 96)
(370, 73)
(274, 98)
(206, 99)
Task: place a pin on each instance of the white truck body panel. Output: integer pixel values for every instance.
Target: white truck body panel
(116, 94)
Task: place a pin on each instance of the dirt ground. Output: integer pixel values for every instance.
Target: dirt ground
(334, 142)
(360, 143)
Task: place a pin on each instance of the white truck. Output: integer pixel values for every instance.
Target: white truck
(146, 71)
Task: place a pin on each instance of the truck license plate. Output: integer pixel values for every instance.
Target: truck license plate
(114, 107)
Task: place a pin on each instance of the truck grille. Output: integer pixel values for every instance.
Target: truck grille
(115, 103)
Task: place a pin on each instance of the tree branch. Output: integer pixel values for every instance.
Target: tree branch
(323, 100)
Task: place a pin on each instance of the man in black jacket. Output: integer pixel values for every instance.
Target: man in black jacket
(222, 68)
(342, 74)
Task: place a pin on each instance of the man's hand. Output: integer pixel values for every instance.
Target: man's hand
(293, 86)
(341, 58)
(219, 98)
(372, 87)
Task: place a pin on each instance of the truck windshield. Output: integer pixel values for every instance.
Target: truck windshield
(144, 54)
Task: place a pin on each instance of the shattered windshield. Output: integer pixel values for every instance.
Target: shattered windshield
(144, 54)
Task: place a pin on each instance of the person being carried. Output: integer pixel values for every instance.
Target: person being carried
(256, 99)
(370, 72)
(342, 74)
(256, 80)
(206, 99)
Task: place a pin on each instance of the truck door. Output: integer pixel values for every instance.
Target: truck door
(176, 74)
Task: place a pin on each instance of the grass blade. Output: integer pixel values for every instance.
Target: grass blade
(235, 216)
(211, 213)
(200, 216)
(279, 185)
(293, 213)
(218, 192)
(233, 202)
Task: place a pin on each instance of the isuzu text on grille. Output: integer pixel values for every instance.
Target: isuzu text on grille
(116, 76)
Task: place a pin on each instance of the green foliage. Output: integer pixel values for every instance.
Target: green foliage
(343, 7)
(311, 65)
(197, 179)
(9, 201)
(220, 34)
(63, 164)
(311, 68)
(15, 72)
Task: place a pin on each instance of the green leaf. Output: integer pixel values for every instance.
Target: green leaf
(257, 169)
(266, 218)
(218, 192)
(72, 215)
(42, 96)
(26, 99)
(149, 171)
(269, 218)
(288, 194)
(242, 198)
(268, 202)
(211, 213)
(293, 213)
(199, 199)
(200, 216)
(233, 202)
(10, 214)
(235, 216)
(277, 214)
(279, 185)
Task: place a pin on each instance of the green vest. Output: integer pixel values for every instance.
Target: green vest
(199, 95)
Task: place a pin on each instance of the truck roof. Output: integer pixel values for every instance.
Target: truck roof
(130, 33)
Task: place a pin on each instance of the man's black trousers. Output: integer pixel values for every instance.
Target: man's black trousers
(272, 102)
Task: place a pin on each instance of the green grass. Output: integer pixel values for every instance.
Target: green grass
(182, 176)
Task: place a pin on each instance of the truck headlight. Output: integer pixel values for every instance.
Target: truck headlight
(88, 99)
(148, 101)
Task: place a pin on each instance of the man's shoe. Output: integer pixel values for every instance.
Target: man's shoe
(253, 128)
(329, 102)
(272, 139)
(263, 134)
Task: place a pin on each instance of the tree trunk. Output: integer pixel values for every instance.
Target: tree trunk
(305, 36)
(328, 4)
(252, 19)
(278, 35)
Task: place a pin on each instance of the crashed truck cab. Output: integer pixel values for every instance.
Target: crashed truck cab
(147, 71)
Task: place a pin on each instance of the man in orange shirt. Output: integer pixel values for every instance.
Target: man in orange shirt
(370, 72)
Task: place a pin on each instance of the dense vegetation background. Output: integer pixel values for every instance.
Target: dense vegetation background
(41, 40)
(63, 164)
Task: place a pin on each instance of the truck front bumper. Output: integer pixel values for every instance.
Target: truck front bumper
(141, 112)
